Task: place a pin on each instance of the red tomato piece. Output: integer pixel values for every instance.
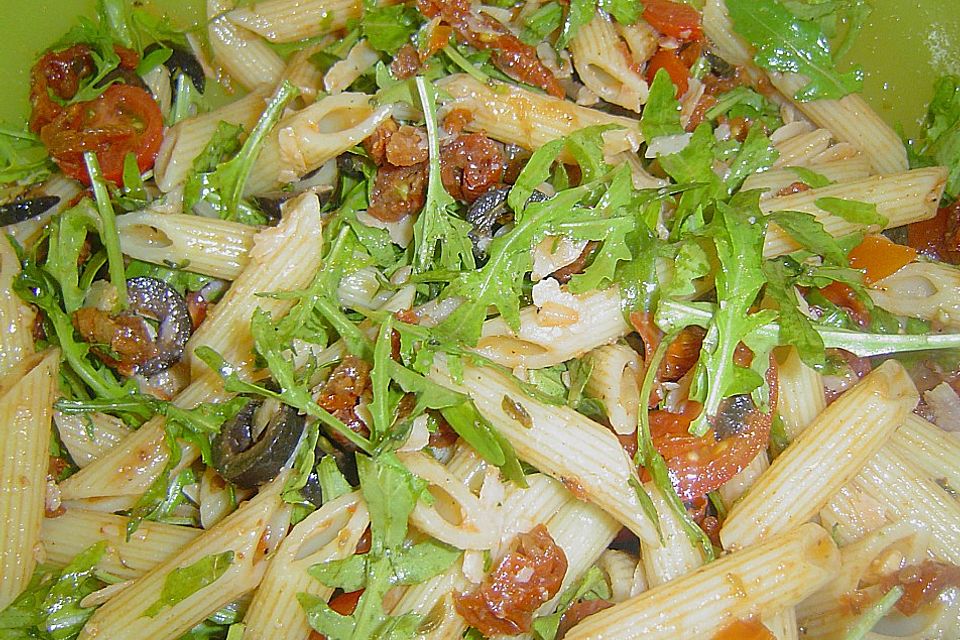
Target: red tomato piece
(938, 237)
(699, 465)
(123, 119)
(674, 19)
(879, 257)
(669, 60)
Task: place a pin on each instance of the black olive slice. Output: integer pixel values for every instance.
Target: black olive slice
(487, 211)
(183, 61)
(158, 301)
(20, 210)
(249, 459)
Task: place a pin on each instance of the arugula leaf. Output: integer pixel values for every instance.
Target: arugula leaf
(939, 142)
(673, 313)
(756, 154)
(391, 493)
(387, 28)
(222, 187)
(744, 102)
(541, 23)
(436, 223)
(661, 114)
(23, 157)
(625, 12)
(809, 233)
(579, 13)
(183, 582)
(852, 210)
(50, 606)
(68, 232)
(796, 329)
(788, 44)
(592, 586)
(738, 233)
(332, 483)
(811, 178)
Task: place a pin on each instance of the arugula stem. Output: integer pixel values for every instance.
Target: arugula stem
(673, 314)
(108, 228)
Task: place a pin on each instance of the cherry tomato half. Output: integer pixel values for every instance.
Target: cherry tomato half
(123, 119)
(699, 465)
(880, 257)
(674, 19)
(669, 59)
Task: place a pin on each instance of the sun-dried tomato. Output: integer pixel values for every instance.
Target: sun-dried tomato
(507, 52)
(523, 580)
(749, 629)
(470, 165)
(342, 392)
(126, 338)
(939, 237)
(405, 63)
(922, 584)
(407, 146)
(398, 192)
(376, 143)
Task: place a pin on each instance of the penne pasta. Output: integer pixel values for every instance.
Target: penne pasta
(603, 65)
(925, 290)
(823, 458)
(292, 20)
(675, 556)
(69, 533)
(901, 198)
(530, 120)
(615, 375)
(16, 318)
(800, 397)
(242, 54)
(26, 405)
(209, 246)
(760, 580)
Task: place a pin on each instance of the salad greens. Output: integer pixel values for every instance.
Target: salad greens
(671, 231)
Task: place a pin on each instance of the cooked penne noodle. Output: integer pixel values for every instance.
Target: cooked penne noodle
(760, 580)
(69, 533)
(926, 290)
(586, 457)
(343, 73)
(209, 246)
(602, 66)
(185, 140)
(801, 149)
(930, 448)
(620, 568)
(26, 406)
(905, 493)
(775, 180)
(851, 120)
(823, 458)
(242, 54)
(89, 436)
(615, 374)
(304, 74)
(901, 198)
(800, 397)
(675, 556)
(292, 20)
(132, 466)
(564, 326)
(738, 485)
(330, 533)
(642, 40)
(16, 317)
(310, 137)
(530, 120)
(245, 540)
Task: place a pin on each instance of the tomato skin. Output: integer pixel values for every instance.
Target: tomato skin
(669, 60)
(123, 119)
(879, 257)
(674, 19)
(699, 465)
(939, 237)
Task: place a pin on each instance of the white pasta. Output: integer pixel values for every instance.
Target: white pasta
(209, 246)
(530, 120)
(675, 556)
(800, 398)
(823, 458)
(16, 318)
(26, 405)
(615, 374)
(603, 66)
(69, 533)
(926, 290)
(760, 580)
(292, 20)
(89, 436)
(242, 54)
